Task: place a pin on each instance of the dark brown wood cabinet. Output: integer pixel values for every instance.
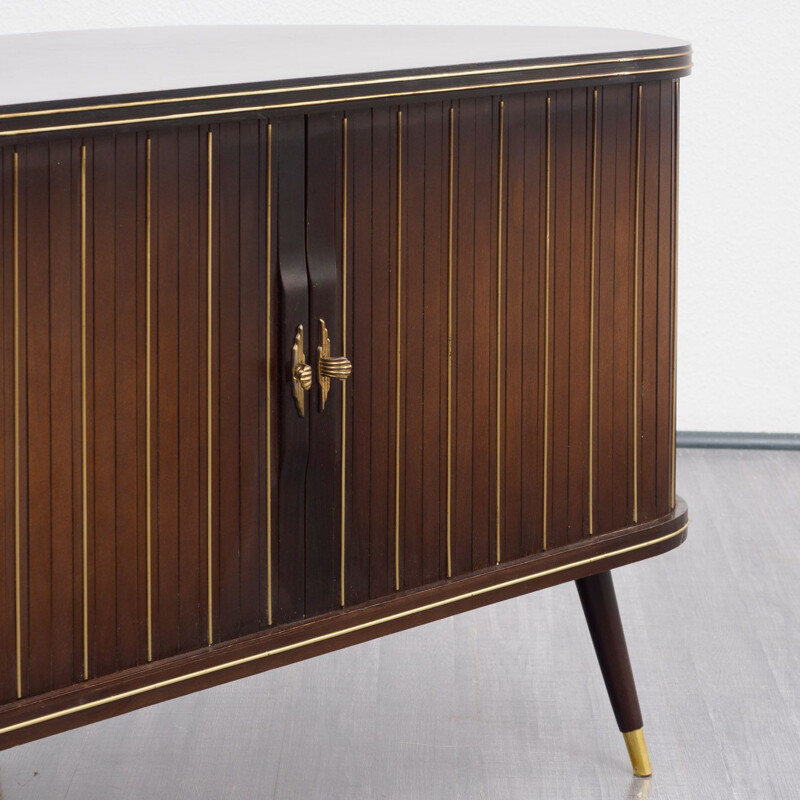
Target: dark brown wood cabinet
(299, 360)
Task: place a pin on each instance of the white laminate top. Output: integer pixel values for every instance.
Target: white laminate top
(67, 65)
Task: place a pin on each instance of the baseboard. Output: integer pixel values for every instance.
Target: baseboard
(738, 441)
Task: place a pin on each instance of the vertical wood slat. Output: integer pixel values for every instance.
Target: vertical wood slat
(463, 273)
(499, 421)
(188, 310)
(322, 482)
(49, 181)
(148, 492)
(178, 307)
(449, 442)
(101, 380)
(398, 347)
(625, 270)
(474, 335)
(21, 418)
(270, 362)
(548, 268)
(372, 263)
(662, 444)
(423, 343)
(342, 212)
(238, 236)
(10, 555)
(648, 302)
(674, 331)
(212, 378)
(571, 256)
(292, 286)
(592, 305)
(637, 257)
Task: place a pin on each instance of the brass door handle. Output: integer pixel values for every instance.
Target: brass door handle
(338, 367)
(302, 374)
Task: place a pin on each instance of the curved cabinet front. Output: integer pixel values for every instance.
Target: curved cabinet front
(490, 282)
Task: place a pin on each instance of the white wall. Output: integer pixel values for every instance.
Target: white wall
(739, 284)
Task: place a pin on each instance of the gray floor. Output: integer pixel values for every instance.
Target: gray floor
(506, 702)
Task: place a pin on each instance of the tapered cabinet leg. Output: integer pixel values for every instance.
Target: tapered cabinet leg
(599, 603)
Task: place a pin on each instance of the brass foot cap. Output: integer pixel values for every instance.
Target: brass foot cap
(637, 750)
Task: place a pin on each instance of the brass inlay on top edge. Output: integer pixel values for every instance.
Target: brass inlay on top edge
(268, 347)
(17, 587)
(636, 264)
(547, 254)
(593, 265)
(84, 448)
(398, 350)
(675, 112)
(209, 392)
(450, 345)
(345, 631)
(148, 400)
(499, 331)
(343, 479)
(332, 100)
(344, 84)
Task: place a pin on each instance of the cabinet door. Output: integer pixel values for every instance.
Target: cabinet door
(307, 554)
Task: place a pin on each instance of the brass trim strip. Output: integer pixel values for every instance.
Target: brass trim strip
(397, 355)
(345, 84)
(344, 632)
(268, 376)
(148, 250)
(675, 112)
(547, 257)
(209, 420)
(332, 100)
(84, 445)
(593, 265)
(636, 265)
(17, 587)
(499, 328)
(450, 176)
(343, 487)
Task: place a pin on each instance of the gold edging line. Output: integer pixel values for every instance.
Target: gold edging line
(499, 327)
(148, 248)
(17, 588)
(344, 84)
(343, 485)
(676, 109)
(397, 355)
(330, 100)
(593, 264)
(636, 392)
(268, 376)
(345, 631)
(84, 447)
(450, 344)
(209, 426)
(548, 145)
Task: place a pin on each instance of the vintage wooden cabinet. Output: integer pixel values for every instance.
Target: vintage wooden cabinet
(310, 335)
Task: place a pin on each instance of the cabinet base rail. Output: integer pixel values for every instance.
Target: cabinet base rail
(145, 685)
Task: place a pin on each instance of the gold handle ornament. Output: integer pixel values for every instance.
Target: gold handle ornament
(302, 374)
(328, 367)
